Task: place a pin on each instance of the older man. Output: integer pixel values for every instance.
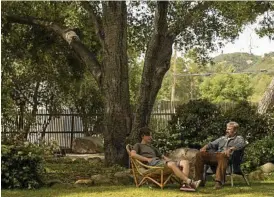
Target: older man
(222, 149)
(148, 154)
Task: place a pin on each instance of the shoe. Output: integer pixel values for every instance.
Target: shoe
(195, 184)
(187, 188)
(218, 185)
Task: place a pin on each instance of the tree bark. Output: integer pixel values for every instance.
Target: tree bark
(117, 111)
(268, 99)
(157, 63)
(111, 75)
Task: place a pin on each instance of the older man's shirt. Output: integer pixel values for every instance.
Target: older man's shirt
(223, 143)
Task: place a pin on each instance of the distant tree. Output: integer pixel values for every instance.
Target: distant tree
(260, 68)
(226, 87)
(186, 84)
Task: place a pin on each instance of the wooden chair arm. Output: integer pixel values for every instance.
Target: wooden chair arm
(147, 166)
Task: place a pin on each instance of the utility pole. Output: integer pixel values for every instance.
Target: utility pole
(250, 44)
(173, 85)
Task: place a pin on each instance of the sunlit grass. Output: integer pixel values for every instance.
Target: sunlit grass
(68, 172)
(257, 189)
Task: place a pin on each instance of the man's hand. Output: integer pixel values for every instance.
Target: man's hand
(229, 151)
(203, 149)
(166, 158)
(149, 160)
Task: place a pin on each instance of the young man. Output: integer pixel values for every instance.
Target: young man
(222, 149)
(148, 154)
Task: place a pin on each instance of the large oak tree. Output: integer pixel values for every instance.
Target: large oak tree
(148, 27)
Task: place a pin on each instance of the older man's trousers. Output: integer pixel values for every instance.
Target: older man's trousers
(218, 159)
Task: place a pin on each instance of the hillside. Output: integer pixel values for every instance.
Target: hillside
(265, 63)
(246, 61)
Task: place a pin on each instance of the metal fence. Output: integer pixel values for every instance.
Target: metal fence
(63, 128)
(67, 126)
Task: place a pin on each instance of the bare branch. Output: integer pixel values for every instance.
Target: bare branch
(70, 37)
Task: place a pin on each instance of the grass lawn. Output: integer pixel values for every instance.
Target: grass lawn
(68, 172)
(257, 189)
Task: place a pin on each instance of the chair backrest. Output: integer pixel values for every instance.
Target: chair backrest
(128, 148)
(236, 160)
(135, 165)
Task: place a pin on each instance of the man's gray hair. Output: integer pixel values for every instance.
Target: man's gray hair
(234, 124)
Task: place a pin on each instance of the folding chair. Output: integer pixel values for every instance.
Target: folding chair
(234, 167)
(143, 173)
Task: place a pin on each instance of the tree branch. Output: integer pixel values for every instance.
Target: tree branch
(96, 20)
(157, 62)
(70, 37)
(160, 22)
(187, 20)
(159, 35)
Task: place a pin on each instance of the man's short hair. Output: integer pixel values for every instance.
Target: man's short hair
(145, 131)
(234, 124)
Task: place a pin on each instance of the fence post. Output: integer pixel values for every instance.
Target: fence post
(71, 131)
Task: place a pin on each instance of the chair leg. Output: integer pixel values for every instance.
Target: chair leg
(246, 180)
(162, 179)
(205, 174)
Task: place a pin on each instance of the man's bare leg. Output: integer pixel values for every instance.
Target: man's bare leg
(184, 164)
(172, 165)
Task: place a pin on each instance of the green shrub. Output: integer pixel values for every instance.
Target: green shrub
(259, 153)
(22, 166)
(194, 124)
(165, 140)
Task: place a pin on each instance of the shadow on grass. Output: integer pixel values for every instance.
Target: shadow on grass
(257, 189)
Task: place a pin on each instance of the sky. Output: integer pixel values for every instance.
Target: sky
(248, 41)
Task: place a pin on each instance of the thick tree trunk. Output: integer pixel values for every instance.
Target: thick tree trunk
(157, 63)
(268, 99)
(115, 89)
